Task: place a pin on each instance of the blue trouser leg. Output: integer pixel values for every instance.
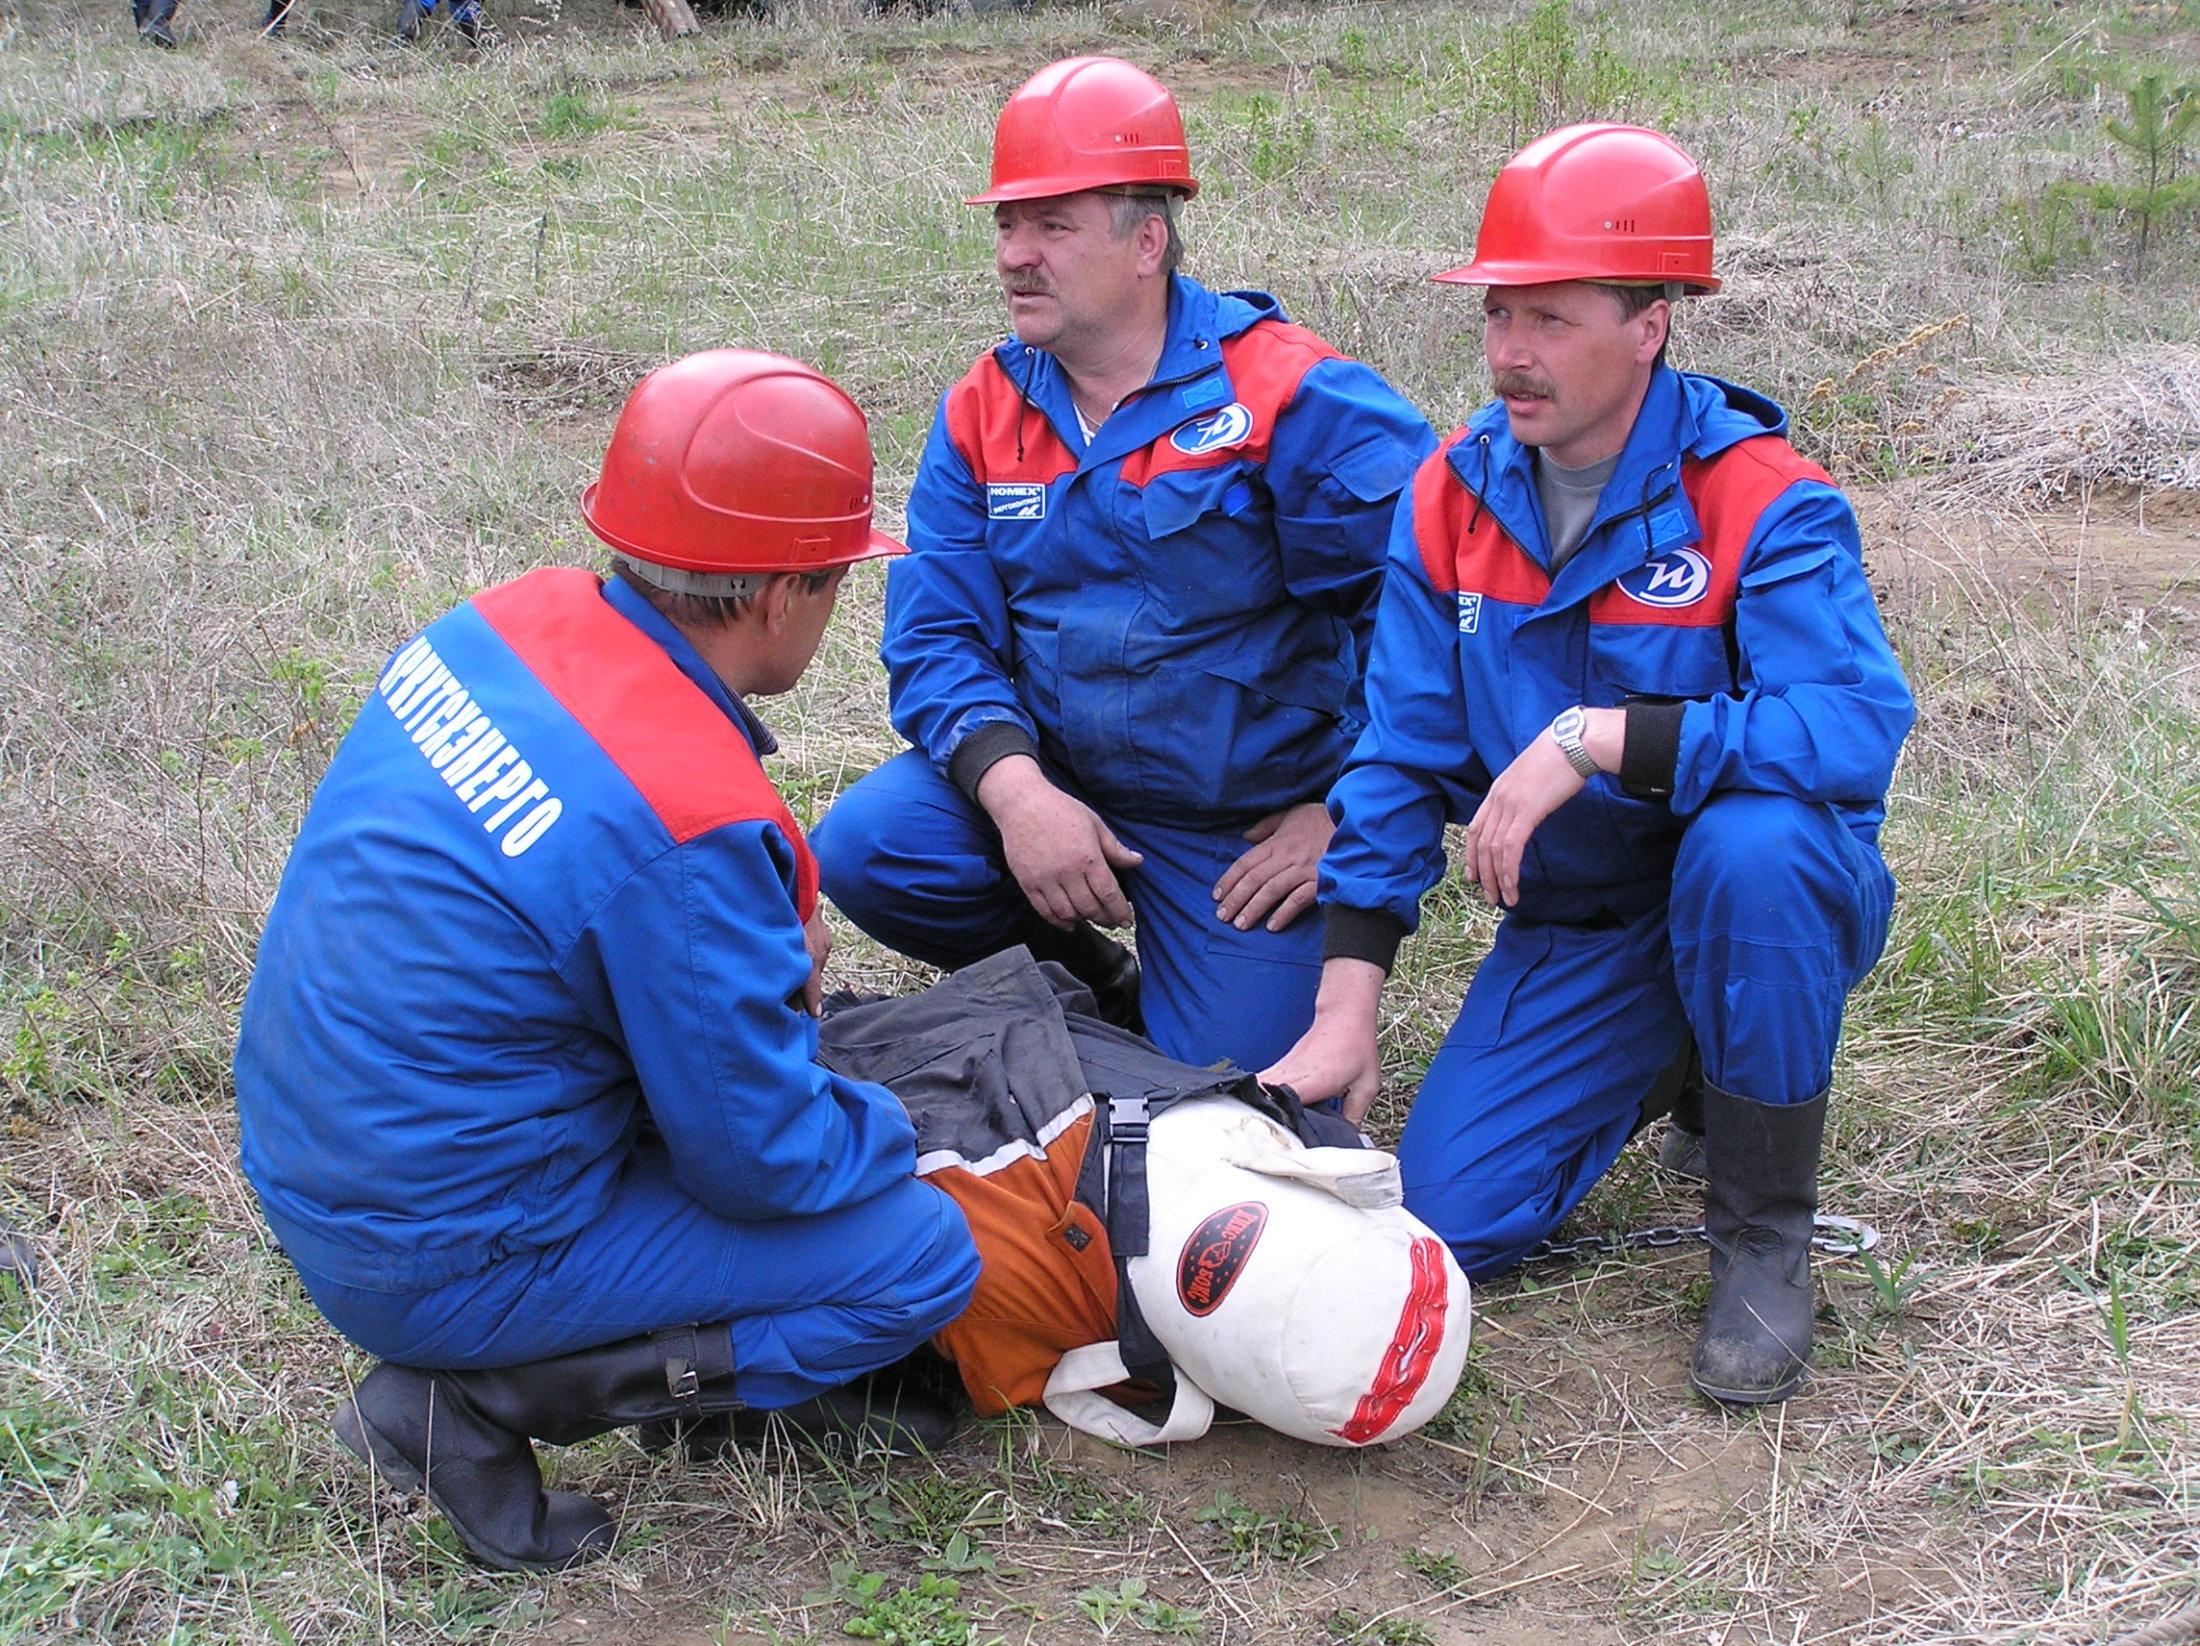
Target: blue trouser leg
(1776, 910)
(914, 864)
(907, 857)
(1209, 990)
(814, 1301)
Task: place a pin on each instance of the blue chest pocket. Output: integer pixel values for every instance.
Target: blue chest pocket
(1180, 499)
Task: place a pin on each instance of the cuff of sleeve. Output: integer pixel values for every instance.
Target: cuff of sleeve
(1361, 934)
(984, 749)
(1652, 752)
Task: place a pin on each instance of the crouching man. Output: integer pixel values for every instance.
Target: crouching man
(1627, 639)
(526, 1070)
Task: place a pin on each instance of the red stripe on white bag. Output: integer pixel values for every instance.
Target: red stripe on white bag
(1405, 1364)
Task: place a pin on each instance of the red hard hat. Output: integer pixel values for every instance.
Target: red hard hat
(735, 461)
(1597, 202)
(1088, 123)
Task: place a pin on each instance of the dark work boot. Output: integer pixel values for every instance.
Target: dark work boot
(1676, 1097)
(878, 1413)
(18, 1258)
(869, 1414)
(420, 1431)
(278, 17)
(153, 26)
(1680, 1150)
(1760, 1200)
(464, 1435)
(1096, 960)
(410, 15)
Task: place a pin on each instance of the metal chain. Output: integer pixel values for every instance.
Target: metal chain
(1836, 1236)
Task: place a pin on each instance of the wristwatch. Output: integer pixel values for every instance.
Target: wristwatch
(1566, 733)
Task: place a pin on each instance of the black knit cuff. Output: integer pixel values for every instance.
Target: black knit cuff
(1652, 752)
(984, 749)
(1361, 934)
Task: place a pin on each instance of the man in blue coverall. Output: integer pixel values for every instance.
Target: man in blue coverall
(1626, 638)
(1127, 645)
(527, 1066)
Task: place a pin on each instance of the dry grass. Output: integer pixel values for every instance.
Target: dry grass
(299, 345)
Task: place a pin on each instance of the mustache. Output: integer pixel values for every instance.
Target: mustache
(1026, 286)
(1520, 382)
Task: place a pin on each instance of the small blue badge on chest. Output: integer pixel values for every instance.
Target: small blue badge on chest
(1680, 578)
(1470, 613)
(1018, 501)
(1205, 391)
(1216, 430)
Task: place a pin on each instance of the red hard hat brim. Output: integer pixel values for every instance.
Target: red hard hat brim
(877, 546)
(1542, 274)
(1050, 188)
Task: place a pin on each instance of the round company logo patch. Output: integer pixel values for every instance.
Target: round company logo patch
(1678, 579)
(1215, 1255)
(1214, 431)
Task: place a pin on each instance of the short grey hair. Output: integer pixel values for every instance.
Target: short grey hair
(1633, 299)
(1126, 211)
(705, 600)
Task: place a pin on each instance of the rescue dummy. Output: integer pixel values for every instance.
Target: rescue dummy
(1138, 1219)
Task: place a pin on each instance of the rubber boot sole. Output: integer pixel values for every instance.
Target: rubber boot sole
(1751, 1397)
(373, 1448)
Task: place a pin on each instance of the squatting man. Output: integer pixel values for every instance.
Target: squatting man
(527, 1069)
(1626, 638)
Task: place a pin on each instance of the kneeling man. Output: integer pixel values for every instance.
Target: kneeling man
(1626, 638)
(1126, 649)
(527, 1068)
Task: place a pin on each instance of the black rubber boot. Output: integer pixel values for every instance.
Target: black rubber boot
(1096, 960)
(1680, 1150)
(1760, 1200)
(18, 1258)
(278, 17)
(464, 1435)
(153, 27)
(875, 1414)
(411, 14)
(421, 1431)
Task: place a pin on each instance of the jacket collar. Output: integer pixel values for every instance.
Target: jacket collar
(621, 597)
(1643, 514)
(1189, 380)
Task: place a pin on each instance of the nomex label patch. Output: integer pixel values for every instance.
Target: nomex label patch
(1015, 501)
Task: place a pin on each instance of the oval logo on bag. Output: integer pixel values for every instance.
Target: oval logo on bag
(1215, 1256)
(1678, 579)
(1214, 431)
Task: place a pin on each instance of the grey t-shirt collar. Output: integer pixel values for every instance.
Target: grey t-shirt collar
(1569, 498)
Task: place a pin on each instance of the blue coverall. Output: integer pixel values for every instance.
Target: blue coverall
(523, 1067)
(1727, 884)
(1173, 619)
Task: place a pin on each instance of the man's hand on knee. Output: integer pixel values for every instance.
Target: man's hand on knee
(1337, 1057)
(1276, 879)
(1061, 853)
